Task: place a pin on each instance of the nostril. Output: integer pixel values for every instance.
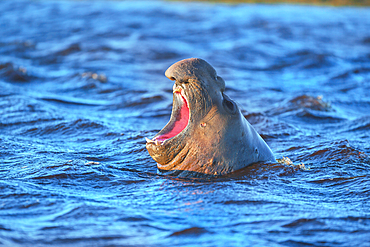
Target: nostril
(172, 78)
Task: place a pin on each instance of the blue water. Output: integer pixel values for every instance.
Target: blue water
(82, 83)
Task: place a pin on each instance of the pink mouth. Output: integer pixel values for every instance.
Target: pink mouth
(181, 122)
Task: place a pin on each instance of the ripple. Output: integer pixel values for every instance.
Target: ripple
(71, 101)
(306, 223)
(73, 48)
(339, 180)
(246, 202)
(71, 128)
(344, 76)
(192, 231)
(145, 100)
(360, 124)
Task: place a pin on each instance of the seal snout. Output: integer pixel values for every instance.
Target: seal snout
(193, 69)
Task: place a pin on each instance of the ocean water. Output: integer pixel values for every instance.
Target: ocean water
(82, 84)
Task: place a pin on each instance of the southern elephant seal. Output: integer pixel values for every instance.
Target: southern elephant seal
(207, 134)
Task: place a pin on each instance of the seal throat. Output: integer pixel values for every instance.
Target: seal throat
(179, 119)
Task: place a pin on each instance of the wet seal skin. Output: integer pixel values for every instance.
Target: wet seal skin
(207, 133)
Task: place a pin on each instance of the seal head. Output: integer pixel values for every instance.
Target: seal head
(207, 134)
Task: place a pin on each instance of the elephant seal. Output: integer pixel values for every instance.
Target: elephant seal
(207, 133)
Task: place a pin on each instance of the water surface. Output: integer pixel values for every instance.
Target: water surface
(82, 83)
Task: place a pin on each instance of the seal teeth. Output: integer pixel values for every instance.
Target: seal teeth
(177, 89)
(148, 140)
(156, 142)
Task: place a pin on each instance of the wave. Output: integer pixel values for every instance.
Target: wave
(307, 108)
(361, 124)
(13, 73)
(69, 128)
(71, 101)
(191, 231)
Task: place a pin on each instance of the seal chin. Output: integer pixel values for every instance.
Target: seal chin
(179, 119)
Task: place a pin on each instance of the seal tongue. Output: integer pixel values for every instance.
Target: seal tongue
(180, 123)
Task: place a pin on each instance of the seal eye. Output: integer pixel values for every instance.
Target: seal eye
(229, 104)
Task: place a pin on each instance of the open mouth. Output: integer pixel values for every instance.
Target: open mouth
(179, 118)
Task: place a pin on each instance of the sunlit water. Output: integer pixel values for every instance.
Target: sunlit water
(82, 83)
